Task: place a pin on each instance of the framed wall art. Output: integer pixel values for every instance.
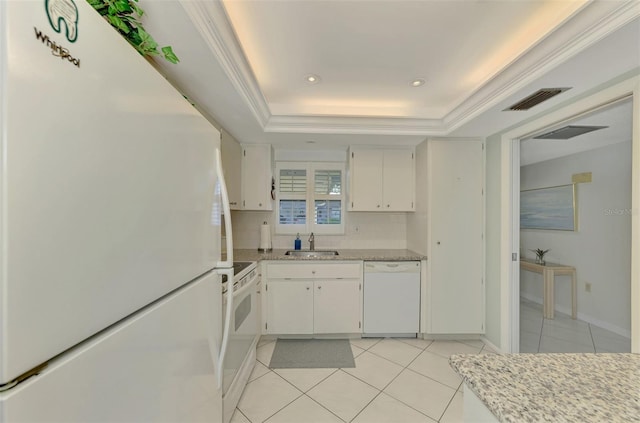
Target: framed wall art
(552, 208)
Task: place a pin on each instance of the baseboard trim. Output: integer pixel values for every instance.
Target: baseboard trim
(451, 337)
(491, 345)
(581, 316)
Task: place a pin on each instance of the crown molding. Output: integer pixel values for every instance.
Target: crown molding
(586, 27)
(211, 21)
(563, 44)
(354, 125)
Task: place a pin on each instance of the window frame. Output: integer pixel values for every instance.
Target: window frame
(310, 197)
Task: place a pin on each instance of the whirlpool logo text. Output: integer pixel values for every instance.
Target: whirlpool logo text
(56, 49)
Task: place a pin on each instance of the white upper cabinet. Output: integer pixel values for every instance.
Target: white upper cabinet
(365, 171)
(398, 180)
(257, 177)
(381, 179)
(231, 151)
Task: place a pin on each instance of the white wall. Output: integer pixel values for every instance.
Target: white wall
(601, 248)
(417, 221)
(363, 231)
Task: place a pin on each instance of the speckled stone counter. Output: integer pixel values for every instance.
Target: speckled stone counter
(344, 254)
(555, 387)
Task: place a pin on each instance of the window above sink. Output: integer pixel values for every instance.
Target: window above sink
(310, 197)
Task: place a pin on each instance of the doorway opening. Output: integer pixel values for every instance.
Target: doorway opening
(510, 207)
(575, 204)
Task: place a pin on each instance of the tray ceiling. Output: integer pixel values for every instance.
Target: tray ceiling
(367, 53)
(243, 63)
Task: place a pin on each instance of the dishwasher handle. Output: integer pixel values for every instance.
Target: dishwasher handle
(392, 267)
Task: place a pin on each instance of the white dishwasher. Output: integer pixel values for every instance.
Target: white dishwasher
(391, 298)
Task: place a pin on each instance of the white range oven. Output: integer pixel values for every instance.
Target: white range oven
(244, 332)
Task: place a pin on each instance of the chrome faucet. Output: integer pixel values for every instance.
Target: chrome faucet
(312, 242)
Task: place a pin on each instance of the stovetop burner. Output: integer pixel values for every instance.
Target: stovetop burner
(238, 266)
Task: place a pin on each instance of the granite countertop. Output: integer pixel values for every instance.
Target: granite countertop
(344, 254)
(555, 387)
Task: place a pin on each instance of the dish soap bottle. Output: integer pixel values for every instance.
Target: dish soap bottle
(297, 244)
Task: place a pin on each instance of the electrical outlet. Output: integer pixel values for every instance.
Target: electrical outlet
(587, 286)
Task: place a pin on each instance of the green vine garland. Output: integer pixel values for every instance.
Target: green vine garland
(124, 15)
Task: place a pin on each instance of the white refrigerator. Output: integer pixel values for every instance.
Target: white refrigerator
(111, 198)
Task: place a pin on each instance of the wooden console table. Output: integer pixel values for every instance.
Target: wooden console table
(549, 272)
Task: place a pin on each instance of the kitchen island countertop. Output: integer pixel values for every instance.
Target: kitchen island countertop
(344, 254)
(554, 387)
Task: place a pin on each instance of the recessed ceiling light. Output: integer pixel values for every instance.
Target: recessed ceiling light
(417, 82)
(312, 79)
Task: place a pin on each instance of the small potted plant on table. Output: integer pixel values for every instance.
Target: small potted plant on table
(540, 255)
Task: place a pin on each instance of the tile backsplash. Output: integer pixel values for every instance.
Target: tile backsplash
(362, 231)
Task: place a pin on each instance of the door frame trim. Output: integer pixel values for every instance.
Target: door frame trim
(510, 207)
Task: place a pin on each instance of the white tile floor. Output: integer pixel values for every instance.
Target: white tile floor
(398, 380)
(563, 334)
(394, 381)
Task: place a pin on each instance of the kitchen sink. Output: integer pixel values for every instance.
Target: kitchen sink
(311, 253)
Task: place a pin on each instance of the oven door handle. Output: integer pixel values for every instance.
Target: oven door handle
(227, 324)
(240, 292)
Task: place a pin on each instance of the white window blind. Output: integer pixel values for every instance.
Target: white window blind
(310, 197)
(293, 181)
(328, 182)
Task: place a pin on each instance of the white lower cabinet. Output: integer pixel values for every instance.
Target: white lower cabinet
(313, 298)
(289, 307)
(336, 306)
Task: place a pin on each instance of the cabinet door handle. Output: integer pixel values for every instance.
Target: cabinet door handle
(319, 287)
(307, 288)
(378, 206)
(388, 205)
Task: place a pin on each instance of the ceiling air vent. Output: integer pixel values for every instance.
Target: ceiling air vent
(568, 132)
(536, 98)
